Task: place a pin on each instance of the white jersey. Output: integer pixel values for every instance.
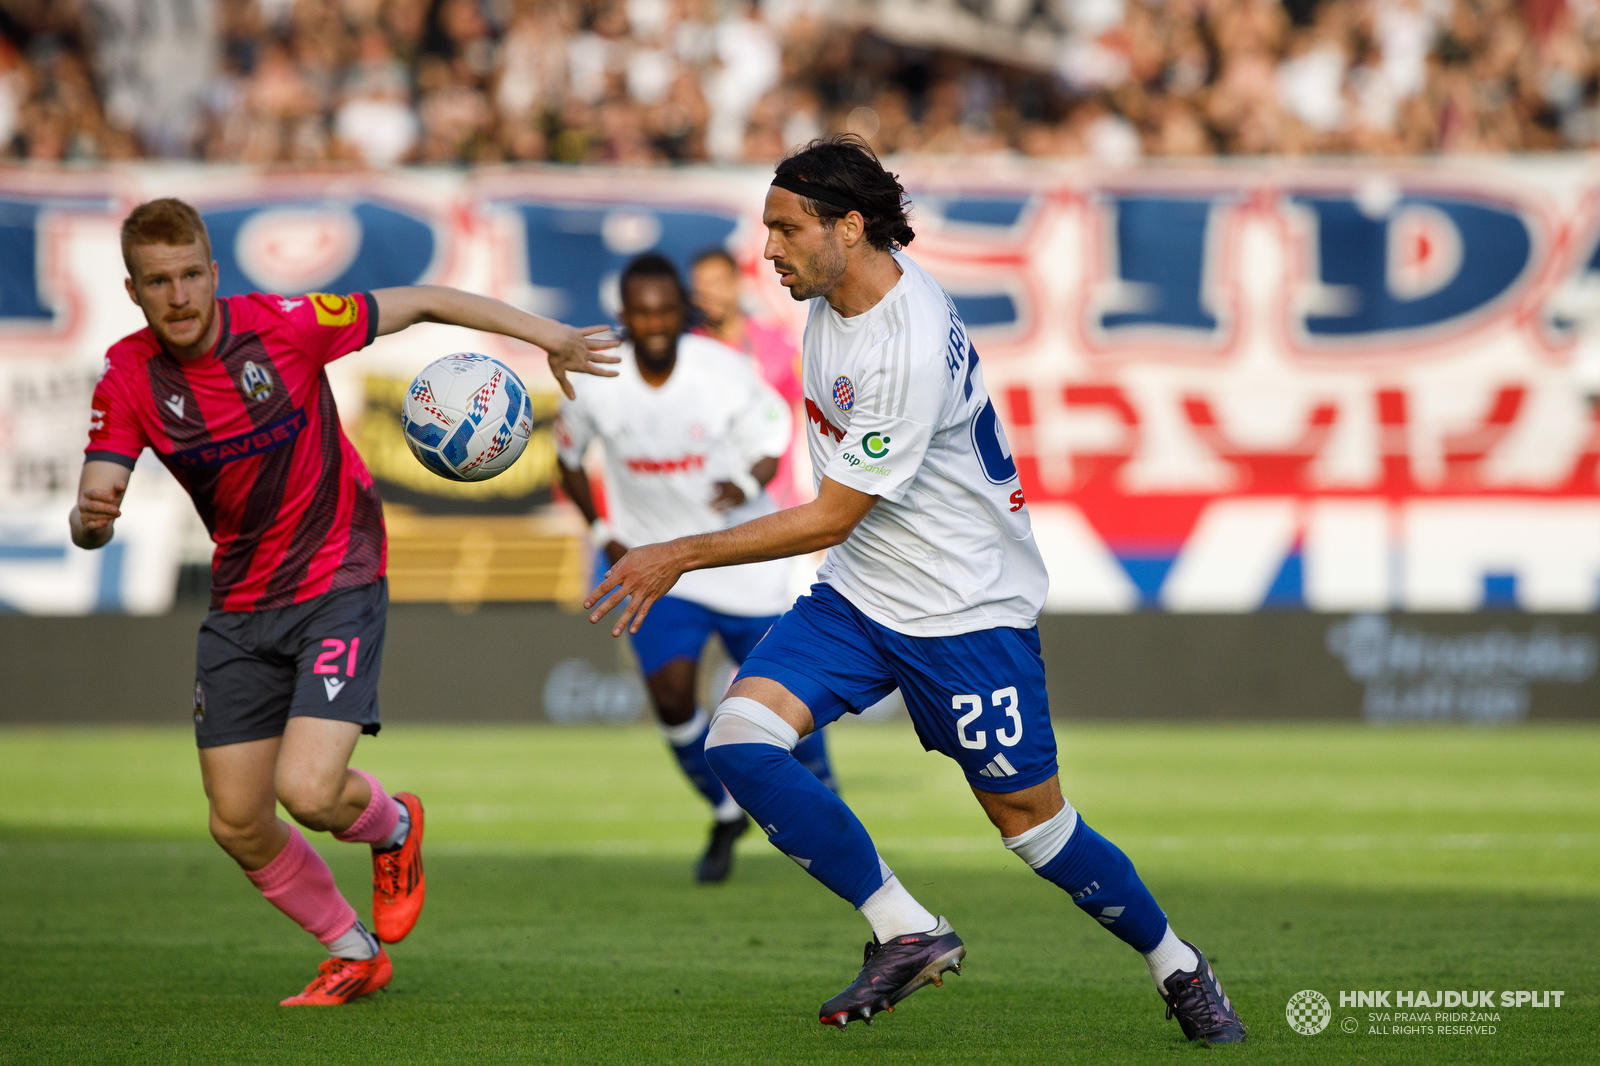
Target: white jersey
(896, 407)
(667, 447)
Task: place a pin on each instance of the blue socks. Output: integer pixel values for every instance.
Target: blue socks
(800, 815)
(1103, 883)
(812, 751)
(1100, 879)
(688, 743)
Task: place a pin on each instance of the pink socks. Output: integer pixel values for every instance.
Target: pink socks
(377, 821)
(299, 883)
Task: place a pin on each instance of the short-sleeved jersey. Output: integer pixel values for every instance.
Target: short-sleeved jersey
(777, 358)
(896, 407)
(667, 447)
(251, 431)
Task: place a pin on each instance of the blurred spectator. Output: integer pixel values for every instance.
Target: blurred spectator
(381, 82)
(375, 118)
(747, 64)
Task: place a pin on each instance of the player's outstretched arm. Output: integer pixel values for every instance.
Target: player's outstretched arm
(100, 490)
(572, 351)
(647, 573)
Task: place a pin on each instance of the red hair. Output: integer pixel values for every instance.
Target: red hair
(167, 221)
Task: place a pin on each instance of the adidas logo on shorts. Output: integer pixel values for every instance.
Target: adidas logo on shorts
(999, 766)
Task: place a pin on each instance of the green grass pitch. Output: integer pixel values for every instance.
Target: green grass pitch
(562, 924)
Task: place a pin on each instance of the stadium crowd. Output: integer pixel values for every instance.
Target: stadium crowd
(651, 81)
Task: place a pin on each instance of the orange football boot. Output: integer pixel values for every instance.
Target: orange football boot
(341, 980)
(398, 886)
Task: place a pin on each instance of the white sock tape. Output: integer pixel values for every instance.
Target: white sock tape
(686, 732)
(1044, 842)
(741, 720)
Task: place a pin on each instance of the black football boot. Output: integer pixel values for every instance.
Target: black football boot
(891, 972)
(717, 862)
(1195, 997)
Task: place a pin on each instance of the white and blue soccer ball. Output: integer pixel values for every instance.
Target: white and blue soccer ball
(467, 417)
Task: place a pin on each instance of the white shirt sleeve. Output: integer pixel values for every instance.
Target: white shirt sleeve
(574, 430)
(897, 407)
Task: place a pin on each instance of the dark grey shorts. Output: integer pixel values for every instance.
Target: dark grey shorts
(254, 670)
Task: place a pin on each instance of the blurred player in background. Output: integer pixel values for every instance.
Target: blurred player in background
(691, 436)
(714, 278)
(932, 583)
(232, 397)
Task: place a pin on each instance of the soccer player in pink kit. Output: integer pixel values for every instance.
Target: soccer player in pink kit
(715, 280)
(232, 397)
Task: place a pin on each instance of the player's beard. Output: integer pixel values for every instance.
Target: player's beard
(202, 314)
(818, 276)
(654, 363)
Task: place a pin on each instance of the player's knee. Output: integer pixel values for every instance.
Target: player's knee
(741, 723)
(672, 691)
(675, 711)
(311, 802)
(1014, 813)
(724, 759)
(741, 720)
(239, 832)
(1040, 845)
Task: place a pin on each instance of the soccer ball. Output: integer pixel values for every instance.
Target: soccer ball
(467, 417)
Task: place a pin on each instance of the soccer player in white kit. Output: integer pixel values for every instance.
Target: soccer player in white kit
(932, 584)
(692, 435)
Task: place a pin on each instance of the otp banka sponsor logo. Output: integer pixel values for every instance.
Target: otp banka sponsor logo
(876, 446)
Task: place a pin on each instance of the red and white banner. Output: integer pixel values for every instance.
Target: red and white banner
(1226, 389)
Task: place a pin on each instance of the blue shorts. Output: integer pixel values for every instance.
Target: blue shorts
(977, 697)
(678, 629)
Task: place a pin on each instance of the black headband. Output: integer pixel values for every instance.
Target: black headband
(812, 191)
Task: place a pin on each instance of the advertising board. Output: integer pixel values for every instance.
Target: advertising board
(1336, 387)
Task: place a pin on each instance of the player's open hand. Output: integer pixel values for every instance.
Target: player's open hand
(582, 351)
(641, 577)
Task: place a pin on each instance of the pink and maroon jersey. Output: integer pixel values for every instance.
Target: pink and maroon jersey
(251, 431)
